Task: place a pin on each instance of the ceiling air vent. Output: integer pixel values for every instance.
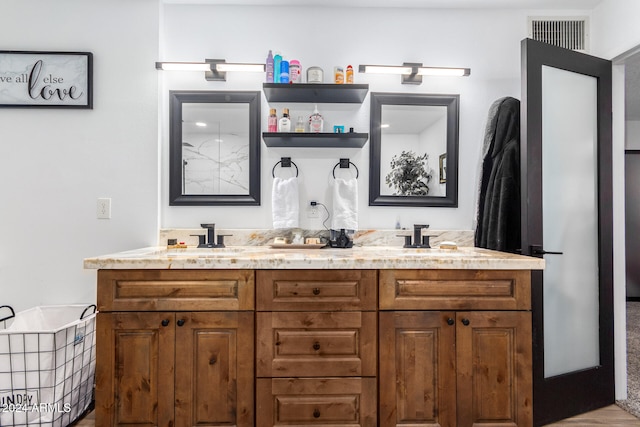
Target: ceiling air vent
(567, 32)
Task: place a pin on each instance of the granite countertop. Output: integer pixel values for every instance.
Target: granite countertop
(266, 257)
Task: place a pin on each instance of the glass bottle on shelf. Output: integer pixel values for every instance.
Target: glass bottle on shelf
(315, 121)
(272, 123)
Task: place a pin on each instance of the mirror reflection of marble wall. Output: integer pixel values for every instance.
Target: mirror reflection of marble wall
(215, 148)
(414, 129)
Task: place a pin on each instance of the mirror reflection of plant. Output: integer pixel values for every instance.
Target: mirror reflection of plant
(409, 176)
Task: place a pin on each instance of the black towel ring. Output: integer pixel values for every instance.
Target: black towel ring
(286, 163)
(344, 164)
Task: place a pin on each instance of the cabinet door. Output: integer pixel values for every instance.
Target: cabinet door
(417, 369)
(214, 369)
(494, 368)
(134, 369)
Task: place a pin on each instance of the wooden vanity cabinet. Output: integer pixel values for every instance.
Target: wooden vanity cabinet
(175, 348)
(450, 364)
(316, 342)
(445, 348)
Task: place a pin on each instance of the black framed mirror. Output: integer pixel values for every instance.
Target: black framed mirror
(414, 150)
(214, 152)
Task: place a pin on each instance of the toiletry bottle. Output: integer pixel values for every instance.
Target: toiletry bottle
(277, 59)
(295, 71)
(272, 124)
(284, 71)
(270, 67)
(315, 75)
(285, 123)
(349, 74)
(338, 73)
(315, 121)
(300, 124)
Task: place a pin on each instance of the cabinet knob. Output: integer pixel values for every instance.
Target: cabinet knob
(316, 291)
(180, 322)
(165, 322)
(465, 322)
(316, 345)
(316, 413)
(450, 321)
(212, 361)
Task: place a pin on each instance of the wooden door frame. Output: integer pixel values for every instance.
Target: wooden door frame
(577, 391)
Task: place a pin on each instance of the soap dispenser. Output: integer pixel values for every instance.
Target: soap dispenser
(315, 121)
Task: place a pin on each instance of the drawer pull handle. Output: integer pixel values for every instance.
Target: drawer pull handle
(316, 413)
(181, 322)
(316, 345)
(212, 361)
(450, 321)
(316, 291)
(465, 322)
(165, 322)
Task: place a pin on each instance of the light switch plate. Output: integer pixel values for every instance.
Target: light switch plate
(103, 208)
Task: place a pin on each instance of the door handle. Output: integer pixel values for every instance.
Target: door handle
(537, 250)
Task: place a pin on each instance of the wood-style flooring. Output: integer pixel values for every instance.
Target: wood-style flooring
(610, 416)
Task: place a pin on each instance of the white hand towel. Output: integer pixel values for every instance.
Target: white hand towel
(345, 204)
(284, 202)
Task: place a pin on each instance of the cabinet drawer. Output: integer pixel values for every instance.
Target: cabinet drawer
(316, 344)
(455, 290)
(295, 290)
(192, 290)
(316, 401)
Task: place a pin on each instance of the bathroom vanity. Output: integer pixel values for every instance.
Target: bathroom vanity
(368, 336)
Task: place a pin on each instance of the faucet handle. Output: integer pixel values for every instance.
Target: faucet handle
(208, 225)
(420, 226)
(201, 239)
(220, 241)
(407, 240)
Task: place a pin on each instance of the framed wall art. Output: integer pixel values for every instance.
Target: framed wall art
(443, 168)
(46, 79)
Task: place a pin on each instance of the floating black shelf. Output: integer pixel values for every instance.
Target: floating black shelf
(316, 92)
(295, 139)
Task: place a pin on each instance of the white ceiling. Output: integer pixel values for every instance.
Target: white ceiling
(445, 4)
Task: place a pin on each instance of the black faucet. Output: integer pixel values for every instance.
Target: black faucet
(208, 243)
(419, 241)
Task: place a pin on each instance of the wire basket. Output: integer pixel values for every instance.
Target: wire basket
(47, 364)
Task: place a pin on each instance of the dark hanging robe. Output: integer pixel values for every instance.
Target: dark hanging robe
(498, 221)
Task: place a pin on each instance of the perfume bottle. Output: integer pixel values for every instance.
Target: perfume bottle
(284, 125)
(315, 121)
(272, 123)
(300, 124)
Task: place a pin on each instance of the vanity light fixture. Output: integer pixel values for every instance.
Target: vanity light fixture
(412, 72)
(215, 69)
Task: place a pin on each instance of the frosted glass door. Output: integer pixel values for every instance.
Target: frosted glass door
(570, 221)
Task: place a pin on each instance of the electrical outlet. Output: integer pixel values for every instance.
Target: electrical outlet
(103, 208)
(312, 211)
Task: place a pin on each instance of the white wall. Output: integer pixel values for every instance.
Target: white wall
(55, 163)
(614, 27)
(486, 41)
(632, 135)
